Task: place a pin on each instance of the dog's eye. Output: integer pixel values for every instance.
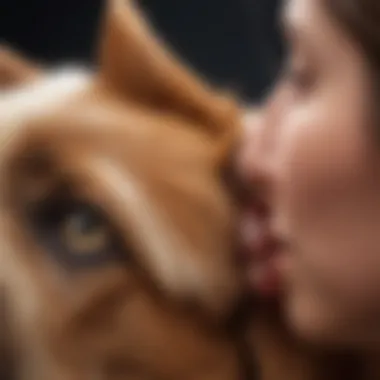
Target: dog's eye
(83, 232)
(76, 233)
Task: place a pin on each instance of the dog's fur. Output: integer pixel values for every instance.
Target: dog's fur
(145, 141)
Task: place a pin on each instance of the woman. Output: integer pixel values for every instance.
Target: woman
(313, 164)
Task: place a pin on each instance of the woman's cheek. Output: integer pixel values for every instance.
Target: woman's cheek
(324, 188)
(310, 158)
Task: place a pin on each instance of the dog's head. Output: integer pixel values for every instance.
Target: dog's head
(116, 226)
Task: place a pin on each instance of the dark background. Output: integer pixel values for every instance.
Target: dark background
(232, 42)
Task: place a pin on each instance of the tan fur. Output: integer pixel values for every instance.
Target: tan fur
(146, 141)
(15, 69)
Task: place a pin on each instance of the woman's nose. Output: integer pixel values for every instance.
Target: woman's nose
(252, 163)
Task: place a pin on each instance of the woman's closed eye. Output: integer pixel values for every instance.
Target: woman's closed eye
(300, 77)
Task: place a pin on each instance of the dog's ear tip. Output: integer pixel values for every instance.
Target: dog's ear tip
(15, 68)
(6, 52)
(137, 62)
(120, 6)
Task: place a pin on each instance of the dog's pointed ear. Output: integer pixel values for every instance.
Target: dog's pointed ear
(15, 69)
(136, 63)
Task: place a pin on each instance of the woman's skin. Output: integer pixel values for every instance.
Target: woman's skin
(312, 162)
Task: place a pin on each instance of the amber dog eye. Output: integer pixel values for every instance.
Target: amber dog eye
(75, 233)
(83, 233)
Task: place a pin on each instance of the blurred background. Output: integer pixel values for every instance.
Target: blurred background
(234, 43)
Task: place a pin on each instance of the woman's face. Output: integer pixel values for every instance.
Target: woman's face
(312, 159)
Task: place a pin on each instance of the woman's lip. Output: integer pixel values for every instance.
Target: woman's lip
(260, 252)
(263, 278)
(255, 237)
(252, 233)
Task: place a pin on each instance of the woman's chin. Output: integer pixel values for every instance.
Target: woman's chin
(311, 322)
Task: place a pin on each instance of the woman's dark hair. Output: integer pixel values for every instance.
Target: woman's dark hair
(361, 19)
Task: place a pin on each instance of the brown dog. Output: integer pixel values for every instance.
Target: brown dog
(117, 227)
